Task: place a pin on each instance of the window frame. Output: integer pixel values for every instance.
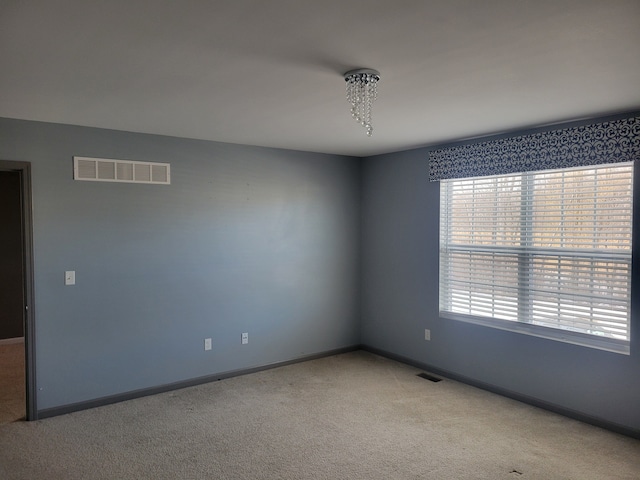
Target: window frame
(557, 334)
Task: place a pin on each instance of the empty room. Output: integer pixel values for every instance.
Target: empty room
(341, 239)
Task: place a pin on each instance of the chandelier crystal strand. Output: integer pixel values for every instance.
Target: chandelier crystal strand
(361, 93)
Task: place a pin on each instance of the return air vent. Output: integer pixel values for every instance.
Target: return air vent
(107, 170)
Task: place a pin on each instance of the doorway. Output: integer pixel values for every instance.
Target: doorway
(17, 376)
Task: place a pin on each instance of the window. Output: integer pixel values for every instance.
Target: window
(546, 253)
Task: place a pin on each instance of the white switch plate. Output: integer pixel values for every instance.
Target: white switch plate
(427, 334)
(245, 338)
(70, 277)
(207, 344)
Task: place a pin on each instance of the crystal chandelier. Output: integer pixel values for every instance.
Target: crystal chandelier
(361, 93)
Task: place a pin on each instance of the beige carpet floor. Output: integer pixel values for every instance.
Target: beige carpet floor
(12, 383)
(349, 416)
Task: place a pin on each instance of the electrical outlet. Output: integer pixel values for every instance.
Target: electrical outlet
(207, 344)
(245, 338)
(427, 334)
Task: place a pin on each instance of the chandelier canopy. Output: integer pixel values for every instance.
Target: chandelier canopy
(361, 93)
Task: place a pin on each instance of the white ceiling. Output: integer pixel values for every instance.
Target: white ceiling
(269, 73)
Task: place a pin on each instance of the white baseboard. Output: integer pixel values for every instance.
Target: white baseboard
(9, 341)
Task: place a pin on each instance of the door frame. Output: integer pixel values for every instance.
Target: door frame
(24, 170)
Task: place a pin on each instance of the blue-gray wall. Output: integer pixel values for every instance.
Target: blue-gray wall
(400, 299)
(245, 239)
(306, 252)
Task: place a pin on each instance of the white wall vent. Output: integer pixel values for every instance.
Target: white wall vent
(107, 170)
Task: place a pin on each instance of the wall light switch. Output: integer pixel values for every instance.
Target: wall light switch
(70, 277)
(427, 334)
(207, 344)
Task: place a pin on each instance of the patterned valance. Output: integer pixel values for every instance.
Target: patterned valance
(606, 142)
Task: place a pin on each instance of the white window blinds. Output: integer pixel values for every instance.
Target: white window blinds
(548, 250)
